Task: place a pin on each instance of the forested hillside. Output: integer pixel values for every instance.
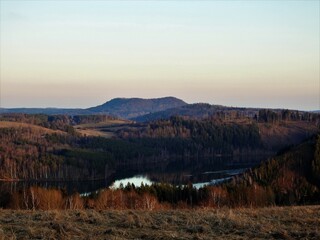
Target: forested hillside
(61, 122)
(205, 135)
(230, 133)
(291, 178)
(49, 147)
(41, 147)
(118, 107)
(198, 111)
(134, 107)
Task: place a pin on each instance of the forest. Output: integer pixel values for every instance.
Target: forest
(29, 152)
(291, 178)
(46, 147)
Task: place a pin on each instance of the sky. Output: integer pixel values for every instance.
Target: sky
(71, 53)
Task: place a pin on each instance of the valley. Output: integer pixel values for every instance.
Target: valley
(159, 120)
(227, 149)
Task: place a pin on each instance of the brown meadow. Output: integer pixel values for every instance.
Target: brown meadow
(243, 223)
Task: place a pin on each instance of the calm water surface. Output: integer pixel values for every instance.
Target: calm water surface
(179, 171)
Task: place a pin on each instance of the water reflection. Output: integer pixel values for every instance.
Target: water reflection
(177, 171)
(136, 180)
(211, 183)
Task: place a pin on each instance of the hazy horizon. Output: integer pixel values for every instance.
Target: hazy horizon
(107, 100)
(70, 54)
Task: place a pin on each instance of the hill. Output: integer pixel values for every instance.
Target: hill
(81, 153)
(48, 111)
(222, 133)
(133, 107)
(197, 111)
(32, 127)
(291, 178)
(145, 110)
(120, 107)
(48, 148)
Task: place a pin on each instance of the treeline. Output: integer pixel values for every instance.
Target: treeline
(156, 196)
(55, 122)
(204, 135)
(33, 155)
(29, 154)
(290, 178)
(270, 116)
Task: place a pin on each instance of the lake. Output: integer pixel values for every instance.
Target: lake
(178, 171)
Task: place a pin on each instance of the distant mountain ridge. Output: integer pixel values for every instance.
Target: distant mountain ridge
(134, 107)
(120, 107)
(48, 111)
(195, 110)
(143, 110)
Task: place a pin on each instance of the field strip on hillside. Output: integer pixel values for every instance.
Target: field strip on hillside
(101, 129)
(107, 123)
(8, 124)
(95, 133)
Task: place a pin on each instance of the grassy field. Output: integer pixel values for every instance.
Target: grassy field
(102, 129)
(264, 223)
(35, 128)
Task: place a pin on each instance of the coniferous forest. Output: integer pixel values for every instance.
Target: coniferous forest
(50, 148)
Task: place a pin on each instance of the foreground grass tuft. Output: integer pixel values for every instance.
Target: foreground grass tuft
(264, 223)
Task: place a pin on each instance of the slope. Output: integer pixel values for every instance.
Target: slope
(197, 111)
(134, 107)
(292, 177)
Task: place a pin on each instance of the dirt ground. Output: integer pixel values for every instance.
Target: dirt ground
(264, 223)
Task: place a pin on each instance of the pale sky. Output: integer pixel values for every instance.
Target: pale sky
(236, 53)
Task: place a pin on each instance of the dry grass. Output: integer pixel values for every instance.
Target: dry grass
(99, 129)
(35, 128)
(107, 123)
(95, 133)
(264, 223)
